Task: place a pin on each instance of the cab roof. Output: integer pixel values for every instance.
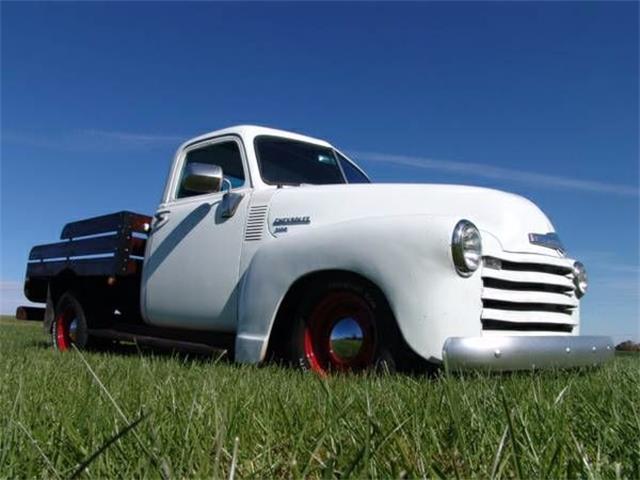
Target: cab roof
(252, 131)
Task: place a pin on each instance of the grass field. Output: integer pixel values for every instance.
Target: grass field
(131, 415)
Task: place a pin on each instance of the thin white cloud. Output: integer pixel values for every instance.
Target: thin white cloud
(91, 139)
(135, 139)
(632, 269)
(12, 296)
(609, 263)
(501, 173)
(122, 140)
(9, 285)
(618, 288)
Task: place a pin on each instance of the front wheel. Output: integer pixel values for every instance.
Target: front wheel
(342, 327)
(70, 324)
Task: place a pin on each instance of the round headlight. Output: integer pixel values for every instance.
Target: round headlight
(580, 278)
(466, 247)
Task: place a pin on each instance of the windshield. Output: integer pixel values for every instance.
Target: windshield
(289, 162)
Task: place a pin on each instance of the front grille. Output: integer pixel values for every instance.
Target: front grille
(525, 293)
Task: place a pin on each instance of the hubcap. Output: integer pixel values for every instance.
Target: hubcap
(340, 333)
(73, 330)
(346, 339)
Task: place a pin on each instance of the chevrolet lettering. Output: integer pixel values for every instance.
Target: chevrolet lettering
(291, 221)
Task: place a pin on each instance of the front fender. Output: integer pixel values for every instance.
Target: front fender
(407, 257)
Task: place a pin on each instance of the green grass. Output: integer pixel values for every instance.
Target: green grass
(199, 418)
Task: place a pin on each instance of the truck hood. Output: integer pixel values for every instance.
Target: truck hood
(507, 217)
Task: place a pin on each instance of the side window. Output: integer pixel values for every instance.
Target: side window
(352, 173)
(224, 154)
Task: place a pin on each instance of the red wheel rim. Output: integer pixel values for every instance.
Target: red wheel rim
(66, 326)
(337, 307)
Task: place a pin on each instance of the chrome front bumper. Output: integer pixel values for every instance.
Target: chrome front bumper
(507, 353)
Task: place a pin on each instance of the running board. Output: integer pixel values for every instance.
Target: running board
(162, 342)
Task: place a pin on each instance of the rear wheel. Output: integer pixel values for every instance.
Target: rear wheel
(342, 327)
(70, 324)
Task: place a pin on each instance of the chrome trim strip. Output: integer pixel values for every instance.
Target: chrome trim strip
(520, 276)
(529, 296)
(508, 353)
(527, 316)
(536, 258)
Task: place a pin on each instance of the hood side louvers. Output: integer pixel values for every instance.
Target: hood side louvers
(255, 222)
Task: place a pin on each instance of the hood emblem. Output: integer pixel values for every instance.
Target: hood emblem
(282, 224)
(283, 221)
(547, 240)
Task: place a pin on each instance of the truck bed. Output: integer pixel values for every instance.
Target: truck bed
(106, 246)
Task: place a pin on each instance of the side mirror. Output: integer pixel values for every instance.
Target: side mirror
(203, 178)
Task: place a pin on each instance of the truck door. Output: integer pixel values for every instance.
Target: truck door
(190, 273)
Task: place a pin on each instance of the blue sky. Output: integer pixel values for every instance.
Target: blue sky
(536, 98)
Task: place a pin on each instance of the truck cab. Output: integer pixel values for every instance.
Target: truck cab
(210, 213)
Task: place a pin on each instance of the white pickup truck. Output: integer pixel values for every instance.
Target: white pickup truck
(273, 244)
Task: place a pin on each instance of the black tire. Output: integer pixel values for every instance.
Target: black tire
(326, 307)
(69, 325)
